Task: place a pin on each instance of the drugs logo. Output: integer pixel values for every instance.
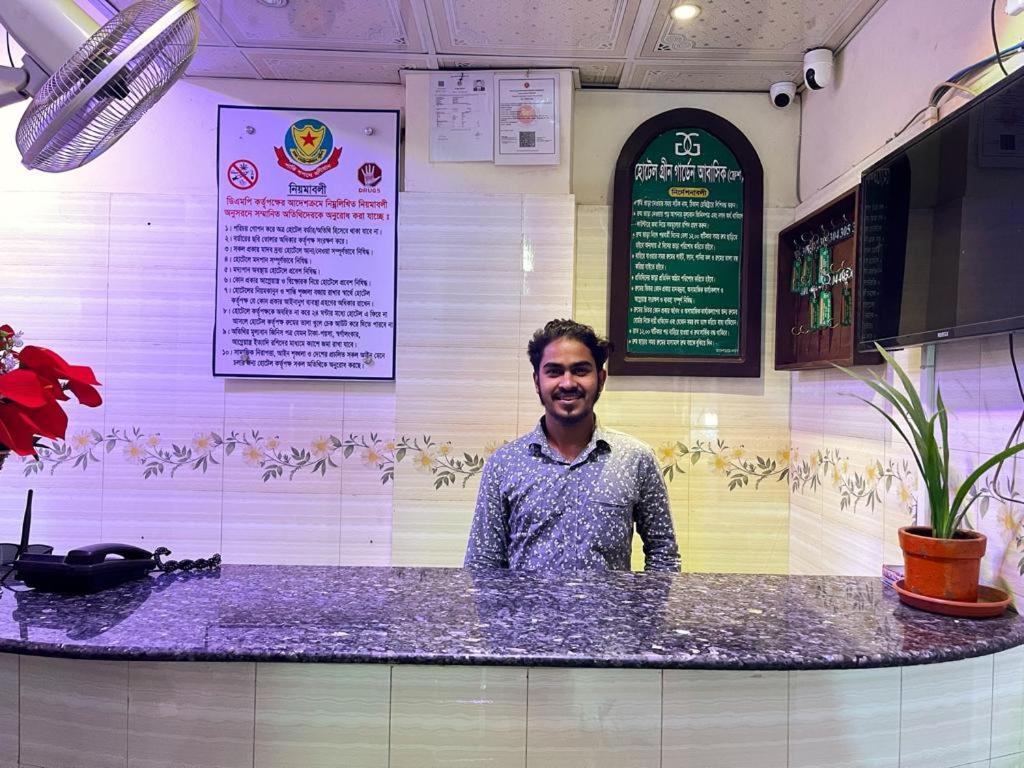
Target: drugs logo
(308, 142)
(369, 174)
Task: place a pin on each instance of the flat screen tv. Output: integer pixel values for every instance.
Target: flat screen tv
(941, 228)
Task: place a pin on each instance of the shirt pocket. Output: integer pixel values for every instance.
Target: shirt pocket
(612, 516)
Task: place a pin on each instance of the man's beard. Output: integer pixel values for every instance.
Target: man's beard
(573, 419)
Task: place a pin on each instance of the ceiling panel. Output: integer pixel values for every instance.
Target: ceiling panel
(734, 45)
(329, 66)
(217, 61)
(537, 28)
(765, 30)
(335, 25)
(210, 31)
(711, 75)
(592, 72)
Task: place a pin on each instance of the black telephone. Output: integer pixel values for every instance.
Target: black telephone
(90, 569)
(86, 569)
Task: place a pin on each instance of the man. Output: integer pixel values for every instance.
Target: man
(568, 494)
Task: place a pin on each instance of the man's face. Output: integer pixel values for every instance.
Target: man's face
(568, 381)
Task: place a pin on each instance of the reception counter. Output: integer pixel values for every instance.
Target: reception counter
(309, 666)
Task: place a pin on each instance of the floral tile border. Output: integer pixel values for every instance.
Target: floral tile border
(858, 488)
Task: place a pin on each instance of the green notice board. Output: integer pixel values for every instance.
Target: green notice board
(686, 250)
(686, 239)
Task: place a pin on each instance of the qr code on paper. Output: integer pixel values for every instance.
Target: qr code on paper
(527, 139)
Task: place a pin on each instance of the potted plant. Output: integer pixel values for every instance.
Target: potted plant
(942, 560)
(33, 381)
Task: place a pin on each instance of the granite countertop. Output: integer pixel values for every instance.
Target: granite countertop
(451, 616)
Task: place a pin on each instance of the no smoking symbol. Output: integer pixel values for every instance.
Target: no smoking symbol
(243, 174)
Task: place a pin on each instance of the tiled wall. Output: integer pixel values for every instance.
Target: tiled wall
(112, 714)
(727, 440)
(174, 457)
(124, 283)
(980, 391)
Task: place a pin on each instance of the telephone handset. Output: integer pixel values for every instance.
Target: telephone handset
(86, 569)
(92, 568)
(98, 553)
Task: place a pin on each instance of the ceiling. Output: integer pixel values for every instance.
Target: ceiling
(734, 45)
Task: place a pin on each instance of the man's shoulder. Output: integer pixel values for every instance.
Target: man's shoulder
(621, 441)
(513, 448)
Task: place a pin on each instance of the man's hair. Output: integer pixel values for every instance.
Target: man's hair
(567, 329)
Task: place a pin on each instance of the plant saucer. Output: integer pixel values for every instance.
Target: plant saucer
(991, 602)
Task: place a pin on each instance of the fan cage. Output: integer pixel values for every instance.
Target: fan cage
(84, 133)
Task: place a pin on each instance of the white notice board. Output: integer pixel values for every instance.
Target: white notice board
(527, 124)
(306, 243)
(461, 116)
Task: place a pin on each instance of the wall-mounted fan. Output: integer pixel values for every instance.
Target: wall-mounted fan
(90, 84)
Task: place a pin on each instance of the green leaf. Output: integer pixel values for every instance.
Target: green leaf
(229, 448)
(914, 449)
(955, 514)
(348, 450)
(694, 457)
(400, 454)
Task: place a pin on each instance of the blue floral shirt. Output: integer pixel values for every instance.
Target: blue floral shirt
(537, 511)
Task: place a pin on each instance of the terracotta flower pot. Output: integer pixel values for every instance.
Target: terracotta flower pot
(944, 568)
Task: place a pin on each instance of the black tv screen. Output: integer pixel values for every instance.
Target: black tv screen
(941, 228)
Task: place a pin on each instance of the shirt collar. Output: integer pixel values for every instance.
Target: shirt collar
(538, 442)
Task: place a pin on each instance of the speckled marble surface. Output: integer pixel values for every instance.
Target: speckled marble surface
(450, 616)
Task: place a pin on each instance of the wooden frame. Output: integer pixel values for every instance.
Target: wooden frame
(808, 351)
(748, 362)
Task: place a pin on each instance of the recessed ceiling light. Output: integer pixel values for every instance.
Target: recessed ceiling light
(685, 11)
(274, 3)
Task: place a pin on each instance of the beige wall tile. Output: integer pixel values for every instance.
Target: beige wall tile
(273, 447)
(365, 530)
(66, 509)
(322, 715)
(846, 416)
(999, 401)
(74, 713)
(724, 719)
(430, 532)
(147, 381)
(594, 718)
(946, 713)
(547, 259)
(807, 402)
(749, 536)
(64, 237)
(593, 244)
(124, 468)
(281, 528)
(844, 718)
(9, 714)
(958, 377)
(274, 403)
(805, 531)
(186, 522)
(1008, 761)
(144, 303)
(443, 716)
(1008, 703)
(191, 714)
(457, 387)
(445, 456)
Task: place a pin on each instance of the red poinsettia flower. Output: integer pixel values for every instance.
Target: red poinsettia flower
(34, 382)
(51, 367)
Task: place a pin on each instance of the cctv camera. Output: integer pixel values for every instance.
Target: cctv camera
(782, 94)
(818, 68)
